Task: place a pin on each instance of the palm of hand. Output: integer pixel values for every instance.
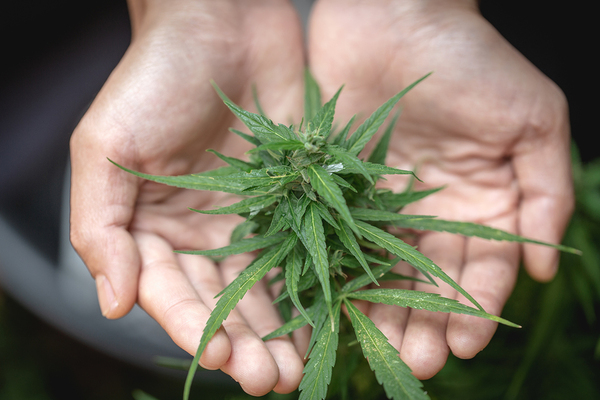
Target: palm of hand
(486, 123)
(158, 113)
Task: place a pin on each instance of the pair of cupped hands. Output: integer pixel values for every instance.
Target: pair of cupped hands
(487, 124)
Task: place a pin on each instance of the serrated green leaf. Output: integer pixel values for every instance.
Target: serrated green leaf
(325, 214)
(408, 253)
(314, 236)
(234, 162)
(251, 205)
(395, 201)
(293, 269)
(259, 180)
(242, 246)
(281, 219)
(326, 187)
(307, 281)
(212, 182)
(312, 96)
(257, 102)
(368, 214)
(290, 326)
(279, 145)
(367, 129)
(379, 153)
(472, 229)
(383, 358)
(233, 293)
(242, 230)
(423, 301)
(364, 280)
(347, 237)
(340, 138)
(322, 122)
(376, 169)
(263, 128)
(342, 182)
(317, 372)
(249, 138)
(349, 161)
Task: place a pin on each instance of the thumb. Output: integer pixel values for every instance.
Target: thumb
(102, 205)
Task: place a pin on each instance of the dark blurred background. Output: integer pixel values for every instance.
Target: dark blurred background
(555, 355)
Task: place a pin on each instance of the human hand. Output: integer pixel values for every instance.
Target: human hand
(487, 123)
(158, 113)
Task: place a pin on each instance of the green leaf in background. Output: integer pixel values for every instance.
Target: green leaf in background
(367, 129)
(317, 372)
(379, 153)
(312, 96)
(340, 138)
(390, 370)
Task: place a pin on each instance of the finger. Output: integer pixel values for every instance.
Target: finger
(391, 320)
(167, 294)
(247, 353)
(424, 348)
(102, 201)
(543, 168)
(489, 275)
(262, 317)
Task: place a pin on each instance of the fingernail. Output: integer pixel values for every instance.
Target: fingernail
(106, 295)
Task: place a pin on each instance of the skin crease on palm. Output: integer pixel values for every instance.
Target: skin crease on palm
(486, 123)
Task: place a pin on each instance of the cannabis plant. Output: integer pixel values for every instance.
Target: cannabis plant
(314, 210)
